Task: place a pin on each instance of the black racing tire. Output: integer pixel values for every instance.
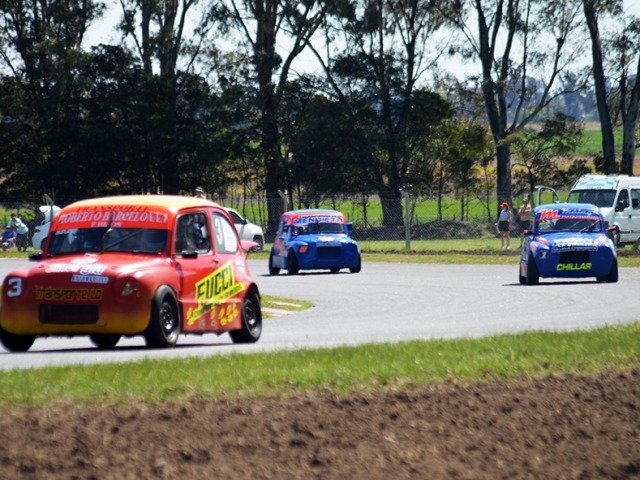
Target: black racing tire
(292, 263)
(615, 237)
(273, 270)
(533, 277)
(16, 343)
(613, 274)
(251, 319)
(165, 324)
(358, 267)
(105, 342)
(523, 280)
(258, 239)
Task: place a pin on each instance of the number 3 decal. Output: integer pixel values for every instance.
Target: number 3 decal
(15, 287)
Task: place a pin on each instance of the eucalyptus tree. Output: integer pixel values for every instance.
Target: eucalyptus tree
(42, 55)
(513, 41)
(377, 55)
(273, 33)
(167, 36)
(537, 151)
(616, 56)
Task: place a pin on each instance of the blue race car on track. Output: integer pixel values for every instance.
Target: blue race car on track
(314, 239)
(567, 240)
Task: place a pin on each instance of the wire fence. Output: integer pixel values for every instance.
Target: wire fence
(407, 217)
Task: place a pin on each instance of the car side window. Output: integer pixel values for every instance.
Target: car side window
(623, 198)
(635, 198)
(224, 235)
(192, 234)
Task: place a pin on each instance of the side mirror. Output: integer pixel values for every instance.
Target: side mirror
(620, 206)
(35, 256)
(349, 226)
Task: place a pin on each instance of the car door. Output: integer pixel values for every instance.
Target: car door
(224, 287)
(194, 261)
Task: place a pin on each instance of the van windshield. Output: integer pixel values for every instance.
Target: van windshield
(599, 198)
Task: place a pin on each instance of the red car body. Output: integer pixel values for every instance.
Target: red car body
(151, 265)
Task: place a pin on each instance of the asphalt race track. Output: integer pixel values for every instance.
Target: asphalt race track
(386, 302)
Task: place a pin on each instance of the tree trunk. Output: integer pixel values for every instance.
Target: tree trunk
(606, 126)
(629, 127)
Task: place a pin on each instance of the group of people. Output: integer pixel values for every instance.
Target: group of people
(505, 222)
(15, 234)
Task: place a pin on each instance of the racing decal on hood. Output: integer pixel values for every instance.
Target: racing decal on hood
(574, 243)
(213, 290)
(83, 273)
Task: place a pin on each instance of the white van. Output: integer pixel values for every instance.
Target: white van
(618, 197)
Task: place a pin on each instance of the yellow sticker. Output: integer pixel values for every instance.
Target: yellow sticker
(214, 289)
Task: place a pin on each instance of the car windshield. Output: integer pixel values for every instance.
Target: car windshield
(83, 240)
(570, 225)
(315, 228)
(599, 198)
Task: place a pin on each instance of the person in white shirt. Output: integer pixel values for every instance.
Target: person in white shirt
(21, 230)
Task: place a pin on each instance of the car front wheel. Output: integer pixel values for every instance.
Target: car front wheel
(164, 326)
(16, 343)
(533, 277)
(292, 264)
(273, 270)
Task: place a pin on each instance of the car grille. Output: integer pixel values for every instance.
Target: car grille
(60, 314)
(328, 252)
(574, 257)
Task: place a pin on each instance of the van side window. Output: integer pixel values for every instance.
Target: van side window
(635, 198)
(623, 198)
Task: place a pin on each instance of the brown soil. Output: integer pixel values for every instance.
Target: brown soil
(553, 428)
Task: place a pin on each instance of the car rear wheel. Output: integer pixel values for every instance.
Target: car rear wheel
(613, 274)
(358, 267)
(292, 264)
(105, 342)
(251, 320)
(273, 270)
(16, 343)
(258, 239)
(533, 276)
(164, 327)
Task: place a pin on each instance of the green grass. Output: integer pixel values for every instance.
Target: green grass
(338, 371)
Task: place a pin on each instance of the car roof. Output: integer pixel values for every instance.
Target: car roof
(313, 211)
(169, 201)
(561, 207)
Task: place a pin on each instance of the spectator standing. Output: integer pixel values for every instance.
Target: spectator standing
(524, 216)
(200, 193)
(504, 226)
(21, 230)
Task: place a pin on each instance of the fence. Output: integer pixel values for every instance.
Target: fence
(409, 217)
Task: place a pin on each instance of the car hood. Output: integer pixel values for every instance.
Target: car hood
(573, 240)
(96, 268)
(324, 238)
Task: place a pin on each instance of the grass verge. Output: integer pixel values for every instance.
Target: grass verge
(338, 370)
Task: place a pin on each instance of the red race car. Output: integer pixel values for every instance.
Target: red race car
(150, 265)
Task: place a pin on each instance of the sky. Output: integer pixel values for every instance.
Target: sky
(104, 32)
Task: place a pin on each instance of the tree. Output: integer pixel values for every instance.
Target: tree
(509, 42)
(157, 28)
(42, 51)
(384, 55)
(537, 150)
(263, 24)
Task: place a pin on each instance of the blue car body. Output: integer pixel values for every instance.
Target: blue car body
(313, 239)
(567, 240)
